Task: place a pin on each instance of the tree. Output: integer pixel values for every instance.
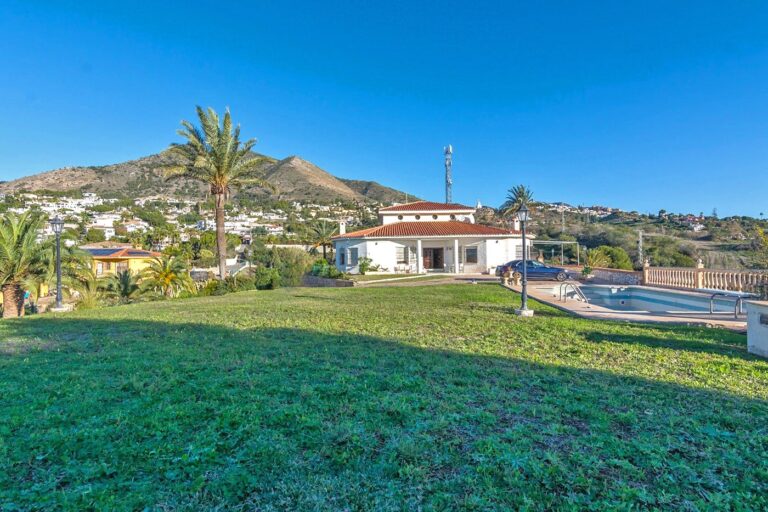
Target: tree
(22, 259)
(82, 284)
(95, 235)
(516, 197)
(124, 285)
(322, 233)
(596, 258)
(215, 156)
(168, 276)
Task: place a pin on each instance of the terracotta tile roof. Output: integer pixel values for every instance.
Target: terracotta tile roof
(421, 206)
(120, 252)
(427, 229)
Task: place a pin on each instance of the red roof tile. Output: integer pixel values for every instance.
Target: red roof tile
(426, 229)
(421, 206)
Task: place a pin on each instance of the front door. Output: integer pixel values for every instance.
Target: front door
(432, 258)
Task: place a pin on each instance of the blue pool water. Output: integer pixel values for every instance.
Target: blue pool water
(638, 298)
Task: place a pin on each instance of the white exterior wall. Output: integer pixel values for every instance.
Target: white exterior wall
(491, 252)
(390, 218)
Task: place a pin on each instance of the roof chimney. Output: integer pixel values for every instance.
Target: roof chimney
(342, 227)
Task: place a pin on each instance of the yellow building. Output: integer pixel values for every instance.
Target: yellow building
(111, 260)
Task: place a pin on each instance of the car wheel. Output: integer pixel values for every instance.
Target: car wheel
(562, 276)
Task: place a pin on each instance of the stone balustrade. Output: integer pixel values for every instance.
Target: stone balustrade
(747, 281)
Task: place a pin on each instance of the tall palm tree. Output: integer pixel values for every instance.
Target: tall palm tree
(168, 276)
(215, 155)
(22, 259)
(516, 197)
(124, 285)
(322, 233)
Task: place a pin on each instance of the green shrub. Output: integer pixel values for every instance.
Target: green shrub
(266, 278)
(291, 264)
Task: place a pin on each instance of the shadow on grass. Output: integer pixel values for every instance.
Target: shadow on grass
(710, 341)
(131, 414)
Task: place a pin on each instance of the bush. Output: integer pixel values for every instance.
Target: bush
(239, 283)
(322, 268)
(366, 264)
(213, 287)
(266, 278)
(290, 264)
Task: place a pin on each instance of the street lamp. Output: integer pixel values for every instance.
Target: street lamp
(523, 215)
(58, 225)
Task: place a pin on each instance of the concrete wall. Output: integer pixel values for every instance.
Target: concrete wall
(324, 282)
(757, 328)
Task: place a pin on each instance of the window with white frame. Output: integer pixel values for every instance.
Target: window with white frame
(518, 252)
(402, 255)
(470, 255)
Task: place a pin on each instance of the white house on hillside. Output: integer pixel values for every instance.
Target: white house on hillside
(425, 237)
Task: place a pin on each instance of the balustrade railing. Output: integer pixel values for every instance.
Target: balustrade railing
(747, 281)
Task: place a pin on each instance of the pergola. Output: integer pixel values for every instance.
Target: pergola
(562, 244)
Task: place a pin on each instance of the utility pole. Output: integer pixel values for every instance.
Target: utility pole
(448, 153)
(640, 247)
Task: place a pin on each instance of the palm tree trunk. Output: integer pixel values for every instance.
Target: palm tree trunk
(221, 239)
(13, 301)
(324, 257)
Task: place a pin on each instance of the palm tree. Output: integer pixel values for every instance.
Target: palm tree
(215, 156)
(322, 233)
(124, 285)
(22, 259)
(82, 284)
(168, 276)
(516, 197)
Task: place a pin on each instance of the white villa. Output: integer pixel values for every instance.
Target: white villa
(425, 237)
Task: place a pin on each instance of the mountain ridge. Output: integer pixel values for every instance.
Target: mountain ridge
(294, 178)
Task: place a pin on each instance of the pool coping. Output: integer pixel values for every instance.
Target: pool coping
(595, 312)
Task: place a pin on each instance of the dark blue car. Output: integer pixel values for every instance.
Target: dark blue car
(536, 270)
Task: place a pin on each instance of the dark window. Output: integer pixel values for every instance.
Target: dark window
(418, 217)
(353, 257)
(453, 217)
(399, 217)
(343, 257)
(434, 216)
(471, 255)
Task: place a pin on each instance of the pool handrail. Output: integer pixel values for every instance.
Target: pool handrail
(738, 307)
(576, 289)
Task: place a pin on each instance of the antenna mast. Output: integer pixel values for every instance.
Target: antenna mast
(448, 152)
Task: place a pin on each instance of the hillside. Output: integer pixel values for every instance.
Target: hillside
(294, 178)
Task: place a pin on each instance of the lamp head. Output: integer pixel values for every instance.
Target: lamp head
(523, 214)
(57, 225)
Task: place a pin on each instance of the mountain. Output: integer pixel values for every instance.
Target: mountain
(295, 179)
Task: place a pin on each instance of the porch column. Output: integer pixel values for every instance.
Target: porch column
(419, 258)
(455, 255)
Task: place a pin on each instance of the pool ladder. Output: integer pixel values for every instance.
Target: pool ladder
(577, 290)
(738, 307)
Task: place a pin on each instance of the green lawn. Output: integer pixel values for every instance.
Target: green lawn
(401, 398)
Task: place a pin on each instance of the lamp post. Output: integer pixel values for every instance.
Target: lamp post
(523, 215)
(58, 225)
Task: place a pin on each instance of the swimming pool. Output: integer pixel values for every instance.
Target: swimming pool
(639, 298)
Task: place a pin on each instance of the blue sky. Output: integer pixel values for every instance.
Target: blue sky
(643, 106)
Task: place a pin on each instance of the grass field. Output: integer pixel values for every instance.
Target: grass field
(410, 398)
